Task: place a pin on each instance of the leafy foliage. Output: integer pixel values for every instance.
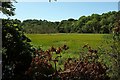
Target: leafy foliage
(8, 8)
(85, 24)
(87, 68)
(41, 65)
(116, 47)
(39, 26)
(16, 56)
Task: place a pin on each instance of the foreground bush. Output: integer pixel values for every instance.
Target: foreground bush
(16, 51)
(87, 68)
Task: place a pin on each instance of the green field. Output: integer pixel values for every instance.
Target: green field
(74, 41)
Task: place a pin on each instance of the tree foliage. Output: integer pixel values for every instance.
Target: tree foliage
(16, 50)
(87, 68)
(16, 56)
(8, 8)
(85, 24)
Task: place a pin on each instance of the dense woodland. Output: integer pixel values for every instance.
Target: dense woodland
(94, 23)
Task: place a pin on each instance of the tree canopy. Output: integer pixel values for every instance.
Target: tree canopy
(94, 23)
(8, 8)
(16, 50)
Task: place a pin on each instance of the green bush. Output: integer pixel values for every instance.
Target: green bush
(16, 50)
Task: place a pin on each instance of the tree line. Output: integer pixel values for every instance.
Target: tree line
(94, 23)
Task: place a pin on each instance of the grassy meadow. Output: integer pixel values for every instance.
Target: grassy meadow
(74, 41)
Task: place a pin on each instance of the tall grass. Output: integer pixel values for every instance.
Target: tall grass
(74, 41)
